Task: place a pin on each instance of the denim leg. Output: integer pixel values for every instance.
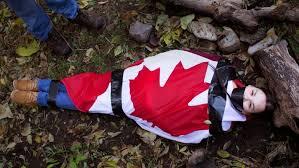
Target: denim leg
(68, 8)
(63, 101)
(43, 85)
(37, 21)
(42, 99)
(61, 88)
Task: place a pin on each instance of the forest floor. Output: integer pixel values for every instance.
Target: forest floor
(48, 137)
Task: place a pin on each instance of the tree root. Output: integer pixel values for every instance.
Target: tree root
(233, 10)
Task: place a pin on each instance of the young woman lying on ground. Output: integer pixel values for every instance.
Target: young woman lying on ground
(180, 95)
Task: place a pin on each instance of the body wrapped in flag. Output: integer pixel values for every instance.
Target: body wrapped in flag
(176, 94)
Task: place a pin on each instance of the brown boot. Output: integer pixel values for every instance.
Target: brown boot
(90, 21)
(58, 45)
(26, 98)
(25, 85)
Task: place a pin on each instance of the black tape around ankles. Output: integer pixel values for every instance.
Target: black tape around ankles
(53, 91)
(116, 88)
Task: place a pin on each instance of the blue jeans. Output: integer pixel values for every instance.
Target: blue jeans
(62, 99)
(37, 21)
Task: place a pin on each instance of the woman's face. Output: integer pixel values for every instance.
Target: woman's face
(254, 100)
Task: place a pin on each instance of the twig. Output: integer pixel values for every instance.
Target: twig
(63, 38)
(103, 2)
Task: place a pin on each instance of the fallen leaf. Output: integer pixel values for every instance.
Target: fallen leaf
(94, 127)
(118, 50)
(183, 149)
(26, 130)
(37, 139)
(43, 65)
(160, 20)
(132, 150)
(18, 22)
(55, 164)
(237, 164)
(3, 81)
(89, 54)
(83, 3)
(45, 138)
(11, 145)
(17, 139)
(113, 134)
(5, 111)
(186, 20)
(96, 135)
(149, 48)
(240, 72)
(103, 2)
(116, 39)
(80, 128)
(128, 15)
(164, 152)
(147, 137)
(71, 69)
(4, 13)
(223, 154)
(50, 137)
(170, 37)
(23, 158)
(243, 56)
(111, 163)
(28, 50)
(22, 60)
(29, 139)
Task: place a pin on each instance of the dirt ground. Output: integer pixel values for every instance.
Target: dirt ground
(49, 137)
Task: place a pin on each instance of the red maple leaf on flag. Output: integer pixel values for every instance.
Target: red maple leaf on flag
(167, 107)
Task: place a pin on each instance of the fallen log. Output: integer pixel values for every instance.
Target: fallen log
(282, 74)
(270, 39)
(233, 10)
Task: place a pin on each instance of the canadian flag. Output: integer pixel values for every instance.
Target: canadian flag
(166, 94)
